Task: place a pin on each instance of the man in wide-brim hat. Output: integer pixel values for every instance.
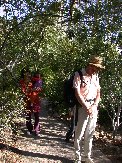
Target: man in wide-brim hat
(96, 61)
(87, 93)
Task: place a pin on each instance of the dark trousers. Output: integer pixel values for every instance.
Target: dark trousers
(73, 123)
(29, 121)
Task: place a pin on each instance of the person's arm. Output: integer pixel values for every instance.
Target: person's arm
(97, 99)
(79, 96)
(22, 86)
(38, 87)
(95, 104)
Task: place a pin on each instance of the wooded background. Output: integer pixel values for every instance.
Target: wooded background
(58, 37)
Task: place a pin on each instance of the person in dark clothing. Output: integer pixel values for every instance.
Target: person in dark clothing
(73, 123)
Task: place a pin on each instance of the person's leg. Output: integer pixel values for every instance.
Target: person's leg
(88, 137)
(36, 111)
(71, 129)
(36, 124)
(28, 121)
(79, 132)
(75, 118)
(76, 115)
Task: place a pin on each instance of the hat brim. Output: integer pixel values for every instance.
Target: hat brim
(98, 65)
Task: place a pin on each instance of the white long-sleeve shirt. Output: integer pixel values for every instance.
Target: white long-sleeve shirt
(90, 85)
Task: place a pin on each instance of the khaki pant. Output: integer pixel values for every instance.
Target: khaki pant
(85, 127)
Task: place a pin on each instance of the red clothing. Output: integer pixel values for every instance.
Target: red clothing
(26, 88)
(31, 91)
(36, 90)
(32, 102)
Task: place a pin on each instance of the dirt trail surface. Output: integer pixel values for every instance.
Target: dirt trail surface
(48, 147)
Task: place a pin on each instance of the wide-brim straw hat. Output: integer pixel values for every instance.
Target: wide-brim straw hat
(96, 61)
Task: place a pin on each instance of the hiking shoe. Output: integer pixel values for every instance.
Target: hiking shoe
(67, 140)
(88, 160)
(36, 133)
(77, 157)
(29, 133)
(77, 161)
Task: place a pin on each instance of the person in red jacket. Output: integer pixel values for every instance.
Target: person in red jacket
(35, 99)
(31, 87)
(26, 87)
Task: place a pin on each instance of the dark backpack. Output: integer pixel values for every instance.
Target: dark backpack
(69, 92)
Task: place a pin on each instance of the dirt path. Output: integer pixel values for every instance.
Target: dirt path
(48, 147)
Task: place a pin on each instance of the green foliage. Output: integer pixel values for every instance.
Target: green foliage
(104, 119)
(58, 40)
